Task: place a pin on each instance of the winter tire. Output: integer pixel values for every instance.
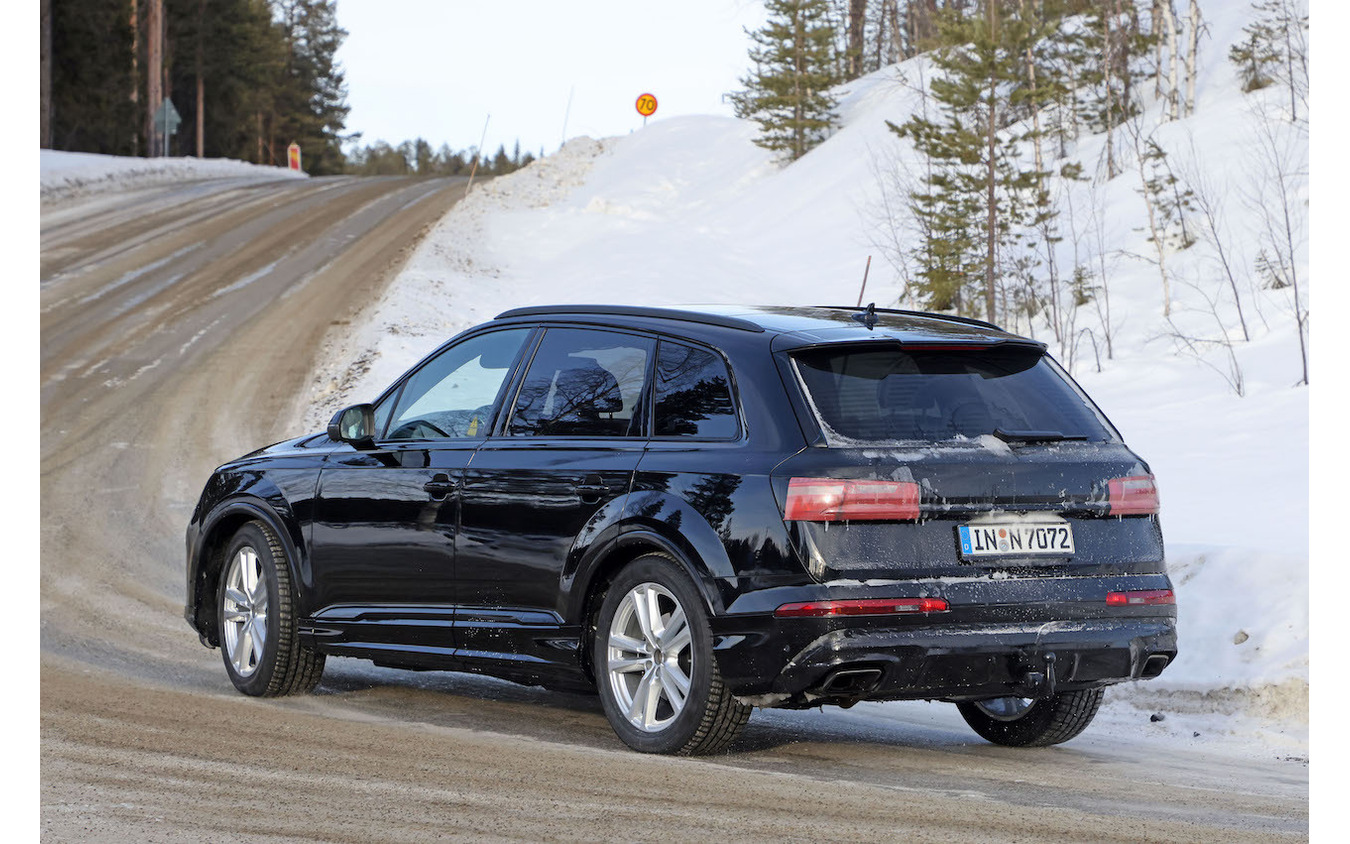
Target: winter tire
(658, 682)
(1023, 722)
(258, 620)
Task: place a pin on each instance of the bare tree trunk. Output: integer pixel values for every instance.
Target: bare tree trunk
(1173, 90)
(1108, 63)
(857, 17)
(1047, 235)
(1193, 23)
(45, 130)
(1295, 50)
(153, 65)
(1156, 234)
(1130, 28)
(991, 226)
(798, 130)
(891, 13)
(201, 83)
(135, 72)
(1155, 24)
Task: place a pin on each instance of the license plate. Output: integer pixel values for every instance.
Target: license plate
(1010, 539)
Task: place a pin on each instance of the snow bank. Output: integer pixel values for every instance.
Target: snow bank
(66, 174)
(689, 210)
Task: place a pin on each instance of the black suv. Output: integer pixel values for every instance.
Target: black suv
(699, 512)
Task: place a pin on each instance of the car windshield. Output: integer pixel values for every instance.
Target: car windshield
(890, 393)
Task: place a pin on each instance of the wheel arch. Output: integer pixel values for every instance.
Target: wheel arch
(217, 530)
(609, 558)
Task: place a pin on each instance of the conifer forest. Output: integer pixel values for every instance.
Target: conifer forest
(247, 78)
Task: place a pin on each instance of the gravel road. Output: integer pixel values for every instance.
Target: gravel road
(180, 328)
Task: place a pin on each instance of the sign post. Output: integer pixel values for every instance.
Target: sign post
(293, 156)
(646, 106)
(166, 123)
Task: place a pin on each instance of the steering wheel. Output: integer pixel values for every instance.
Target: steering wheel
(418, 429)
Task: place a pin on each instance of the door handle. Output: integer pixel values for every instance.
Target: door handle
(591, 488)
(440, 486)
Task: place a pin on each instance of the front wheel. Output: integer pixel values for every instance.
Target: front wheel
(258, 622)
(1025, 722)
(659, 685)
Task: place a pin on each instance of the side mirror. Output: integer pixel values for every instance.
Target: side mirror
(355, 425)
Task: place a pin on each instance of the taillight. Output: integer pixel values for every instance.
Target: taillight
(862, 606)
(837, 500)
(1132, 496)
(1142, 597)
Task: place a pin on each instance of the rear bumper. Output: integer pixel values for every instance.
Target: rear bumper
(974, 662)
(1026, 650)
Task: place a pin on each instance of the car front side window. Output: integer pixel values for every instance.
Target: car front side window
(453, 394)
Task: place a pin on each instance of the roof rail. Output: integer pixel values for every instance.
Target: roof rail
(947, 317)
(635, 311)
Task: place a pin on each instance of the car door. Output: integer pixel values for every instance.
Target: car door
(555, 471)
(383, 541)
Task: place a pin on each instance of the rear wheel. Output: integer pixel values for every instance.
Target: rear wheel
(659, 685)
(1026, 722)
(258, 622)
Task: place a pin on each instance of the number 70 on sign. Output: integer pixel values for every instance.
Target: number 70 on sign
(646, 105)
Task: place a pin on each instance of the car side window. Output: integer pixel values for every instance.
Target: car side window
(453, 394)
(693, 393)
(583, 383)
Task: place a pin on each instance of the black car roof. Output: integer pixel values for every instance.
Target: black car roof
(808, 324)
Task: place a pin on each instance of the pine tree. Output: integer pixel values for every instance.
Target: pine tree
(788, 93)
(1170, 198)
(311, 108)
(1276, 50)
(91, 81)
(1109, 51)
(229, 52)
(979, 195)
(423, 156)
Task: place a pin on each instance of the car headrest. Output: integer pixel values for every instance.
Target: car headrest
(586, 391)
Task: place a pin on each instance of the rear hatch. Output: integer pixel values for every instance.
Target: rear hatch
(959, 459)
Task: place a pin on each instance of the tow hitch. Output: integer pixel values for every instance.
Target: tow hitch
(1039, 683)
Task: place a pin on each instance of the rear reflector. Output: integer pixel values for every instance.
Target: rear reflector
(1141, 597)
(865, 606)
(837, 500)
(1132, 496)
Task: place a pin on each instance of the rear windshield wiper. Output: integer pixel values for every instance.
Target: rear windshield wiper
(1035, 436)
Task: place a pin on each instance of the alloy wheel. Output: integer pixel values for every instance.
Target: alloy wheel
(244, 612)
(650, 657)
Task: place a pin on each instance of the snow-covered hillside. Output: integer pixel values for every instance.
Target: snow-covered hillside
(689, 210)
(65, 174)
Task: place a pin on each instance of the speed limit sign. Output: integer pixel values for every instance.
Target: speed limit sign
(646, 105)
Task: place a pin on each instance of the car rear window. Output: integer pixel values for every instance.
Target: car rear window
(693, 394)
(879, 394)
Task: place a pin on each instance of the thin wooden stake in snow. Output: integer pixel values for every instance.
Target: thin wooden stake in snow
(867, 269)
(477, 156)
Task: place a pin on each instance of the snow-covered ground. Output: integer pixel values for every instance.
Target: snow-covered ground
(688, 210)
(65, 174)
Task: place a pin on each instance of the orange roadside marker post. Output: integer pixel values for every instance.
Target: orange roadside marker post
(293, 156)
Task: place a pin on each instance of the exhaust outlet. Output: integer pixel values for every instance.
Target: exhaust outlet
(1154, 665)
(850, 682)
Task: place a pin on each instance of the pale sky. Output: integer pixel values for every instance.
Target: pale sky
(437, 68)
